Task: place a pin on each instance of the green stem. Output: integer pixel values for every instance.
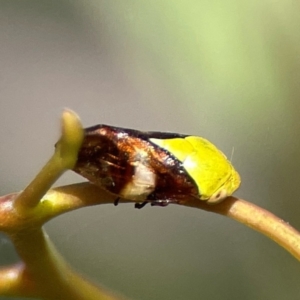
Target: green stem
(53, 278)
(64, 158)
(12, 282)
(258, 219)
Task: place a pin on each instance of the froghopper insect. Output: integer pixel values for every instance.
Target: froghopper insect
(155, 167)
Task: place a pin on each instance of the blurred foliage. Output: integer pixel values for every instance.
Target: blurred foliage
(249, 50)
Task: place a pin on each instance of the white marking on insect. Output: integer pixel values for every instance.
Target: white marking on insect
(143, 180)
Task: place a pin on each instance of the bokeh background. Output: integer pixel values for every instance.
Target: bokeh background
(225, 70)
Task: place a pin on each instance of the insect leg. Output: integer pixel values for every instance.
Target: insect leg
(116, 202)
(140, 205)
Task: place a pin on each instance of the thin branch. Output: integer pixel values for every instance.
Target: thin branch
(64, 158)
(43, 272)
(256, 218)
(47, 270)
(74, 196)
(14, 282)
(22, 216)
(52, 277)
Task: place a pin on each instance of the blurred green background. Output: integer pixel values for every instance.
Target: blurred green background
(225, 70)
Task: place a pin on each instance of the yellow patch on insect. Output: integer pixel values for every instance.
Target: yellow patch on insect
(212, 172)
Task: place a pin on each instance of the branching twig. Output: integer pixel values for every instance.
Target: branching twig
(14, 282)
(43, 272)
(52, 277)
(63, 158)
(74, 196)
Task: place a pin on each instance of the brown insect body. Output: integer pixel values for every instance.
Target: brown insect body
(126, 163)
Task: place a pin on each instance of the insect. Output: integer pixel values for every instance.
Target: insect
(155, 167)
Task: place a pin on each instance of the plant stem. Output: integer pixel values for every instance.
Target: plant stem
(256, 218)
(85, 194)
(12, 282)
(53, 278)
(64, 158)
